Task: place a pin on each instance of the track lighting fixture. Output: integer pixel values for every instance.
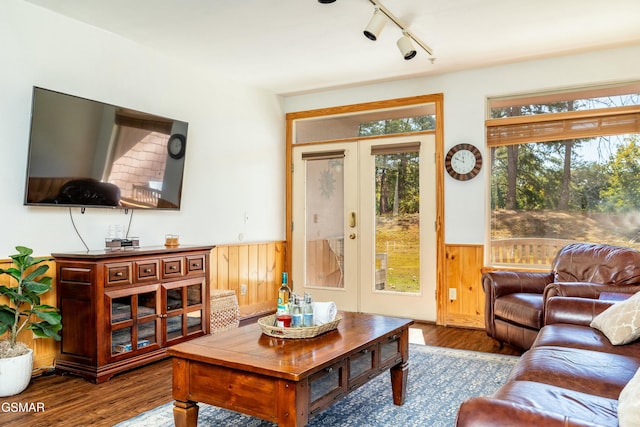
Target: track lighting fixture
(406, 47)
(375, 25)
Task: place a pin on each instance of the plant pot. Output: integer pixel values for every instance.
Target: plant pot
(15, 374)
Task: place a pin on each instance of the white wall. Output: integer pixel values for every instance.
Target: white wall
(235, 151)
(465, 96)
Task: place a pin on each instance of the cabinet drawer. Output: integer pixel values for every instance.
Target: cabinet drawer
(146, 270)
(326, 386)
(119, 274)
(390, 354)
(363, 366)
(172, 267)
(195, 264)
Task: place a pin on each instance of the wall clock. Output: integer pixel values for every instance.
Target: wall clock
(463, 162)
(176, 145)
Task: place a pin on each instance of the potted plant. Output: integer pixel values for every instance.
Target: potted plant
(23, 311)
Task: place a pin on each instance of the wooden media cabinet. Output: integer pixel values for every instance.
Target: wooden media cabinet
(122, 308)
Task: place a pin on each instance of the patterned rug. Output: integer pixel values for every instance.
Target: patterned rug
(439, 380)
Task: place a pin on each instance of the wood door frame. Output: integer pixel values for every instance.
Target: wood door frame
(437, 100)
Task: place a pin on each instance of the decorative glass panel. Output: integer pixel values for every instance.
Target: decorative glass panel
(325, 221)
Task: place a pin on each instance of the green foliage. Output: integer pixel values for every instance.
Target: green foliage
(24, 309)
(622, 192)
(609, 185)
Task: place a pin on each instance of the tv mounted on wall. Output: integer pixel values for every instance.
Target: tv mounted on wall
(85, 153)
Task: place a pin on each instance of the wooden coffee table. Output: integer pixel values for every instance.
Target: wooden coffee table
(287, 381)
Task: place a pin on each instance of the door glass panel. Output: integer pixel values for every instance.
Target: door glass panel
(325, 222)
(147, 304)
(174, 299)
(194, 295)
(397, 235)
(121, 340)
(121, 309)
(194, 321)
(146, 334)
(174, 327)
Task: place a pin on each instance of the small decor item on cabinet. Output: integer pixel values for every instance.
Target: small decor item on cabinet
(113, 243)
(463, 162)
(24, 311)
(171, 240)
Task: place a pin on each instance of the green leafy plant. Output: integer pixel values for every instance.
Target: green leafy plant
(24, 310)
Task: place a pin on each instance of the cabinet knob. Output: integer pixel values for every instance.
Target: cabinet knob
(147, 270)
(119, 274)
(172, 267)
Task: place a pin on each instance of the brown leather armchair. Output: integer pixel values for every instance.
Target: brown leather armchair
(514, 300)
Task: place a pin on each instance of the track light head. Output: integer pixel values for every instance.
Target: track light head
(375, 25)
(406, 47)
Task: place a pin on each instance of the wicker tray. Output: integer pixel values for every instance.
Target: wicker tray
(268, 328)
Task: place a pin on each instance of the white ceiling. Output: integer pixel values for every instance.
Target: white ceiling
(295, 46)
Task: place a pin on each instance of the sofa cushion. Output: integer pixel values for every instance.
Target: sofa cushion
(620, 322)
(521, 309)
(571, 404)
(629, 403)
(584, 337)
(586, 371)
(597, 263)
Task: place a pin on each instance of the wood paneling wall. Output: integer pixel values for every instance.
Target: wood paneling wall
(44, 350)
(259, 266)
(463, 272)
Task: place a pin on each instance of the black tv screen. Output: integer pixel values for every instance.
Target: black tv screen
(88, 153)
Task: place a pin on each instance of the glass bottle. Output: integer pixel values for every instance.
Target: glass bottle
(307, 310)
(296, 312)
(284, 293)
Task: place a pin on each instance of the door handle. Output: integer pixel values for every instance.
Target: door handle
(352, 220)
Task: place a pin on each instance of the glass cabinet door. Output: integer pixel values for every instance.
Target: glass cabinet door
(134, 319)
(184, 304)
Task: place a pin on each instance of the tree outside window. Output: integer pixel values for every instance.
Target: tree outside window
(564, 170)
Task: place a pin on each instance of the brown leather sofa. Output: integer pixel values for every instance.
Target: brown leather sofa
(514, 300)
(571, 376)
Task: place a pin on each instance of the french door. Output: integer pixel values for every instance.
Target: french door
(364, 217)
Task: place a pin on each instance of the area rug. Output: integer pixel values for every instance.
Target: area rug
(440, 379)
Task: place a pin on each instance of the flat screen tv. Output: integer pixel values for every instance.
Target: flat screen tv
(85, 153)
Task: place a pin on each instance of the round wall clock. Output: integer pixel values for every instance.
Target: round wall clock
(176, 145)
(463, 162)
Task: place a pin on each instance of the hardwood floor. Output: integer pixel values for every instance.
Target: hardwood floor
(72, 401)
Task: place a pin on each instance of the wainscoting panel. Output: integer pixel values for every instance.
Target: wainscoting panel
(257, 266)
(44, 350)
(463, 267)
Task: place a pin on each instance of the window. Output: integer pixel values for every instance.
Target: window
(565, 167)
(363, 124)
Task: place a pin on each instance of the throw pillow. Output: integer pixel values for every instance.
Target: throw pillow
(620, 322)
(629, 404)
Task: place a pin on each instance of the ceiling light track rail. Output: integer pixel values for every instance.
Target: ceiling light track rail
(402, 26)
(377, 23)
